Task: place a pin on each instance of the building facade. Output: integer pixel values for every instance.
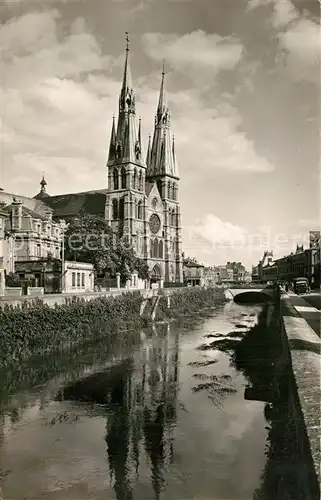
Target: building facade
(35, 235)
(193, 273)
(142, 202)
(301, 263)
(78, 277)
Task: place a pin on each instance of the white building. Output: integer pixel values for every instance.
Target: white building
(78, 277)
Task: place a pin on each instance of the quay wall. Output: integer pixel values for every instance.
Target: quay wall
(39, 326)
(297, 372)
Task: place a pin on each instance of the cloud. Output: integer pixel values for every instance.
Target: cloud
(58, 100)
(194, 51)
(298, 38)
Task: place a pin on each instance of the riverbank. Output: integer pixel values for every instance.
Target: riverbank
(37, 329)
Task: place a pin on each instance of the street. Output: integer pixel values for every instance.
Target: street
(308, 306)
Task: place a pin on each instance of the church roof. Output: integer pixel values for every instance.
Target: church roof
(42, 195)
(71, 205)
(148, 187)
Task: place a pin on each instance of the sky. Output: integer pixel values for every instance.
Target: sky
(242, 80)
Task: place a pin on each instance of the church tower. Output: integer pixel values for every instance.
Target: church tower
(162, 169)
(125, 199)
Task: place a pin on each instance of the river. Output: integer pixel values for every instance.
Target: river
(161, 418)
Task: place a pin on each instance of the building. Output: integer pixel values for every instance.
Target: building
(210, 276)
(141, 200)
(193, 273)
(78, 277)
(315, 257)
(301, 263)
(35, 235)
(238, 270)
(6, 246)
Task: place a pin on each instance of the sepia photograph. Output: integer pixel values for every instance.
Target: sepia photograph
(160, 250)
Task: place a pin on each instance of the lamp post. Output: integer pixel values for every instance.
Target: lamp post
(63, 228)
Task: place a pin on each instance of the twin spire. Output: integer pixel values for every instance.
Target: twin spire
(126, 138)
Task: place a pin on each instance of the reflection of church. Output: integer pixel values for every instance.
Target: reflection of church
(140, 395)
(142, 199)
(145, 418)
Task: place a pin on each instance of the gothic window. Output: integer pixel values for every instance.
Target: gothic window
(173, 219)
(123, 178)
(140, 210)
(155, 249)
(136, 209)
(175, 192)
(140, 183)
(173, 245)
(115, 209)
(121, 208)
(115, 177)
(160, 250)
(118, 151)
(151, 248)
(134, 179)
(169, 190)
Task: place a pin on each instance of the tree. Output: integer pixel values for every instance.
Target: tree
(90, 239)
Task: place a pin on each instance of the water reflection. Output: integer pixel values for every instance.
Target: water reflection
(138, 398)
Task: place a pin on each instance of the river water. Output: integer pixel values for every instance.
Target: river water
(161, 418)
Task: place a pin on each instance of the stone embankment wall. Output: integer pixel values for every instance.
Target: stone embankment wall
(40, 326)
(299, 392)
(264, 356)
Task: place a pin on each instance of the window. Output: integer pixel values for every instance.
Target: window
(134, 185)
(78, 279)
(115, 178)
(73, 280)
(115, 209)
(121, 208)
(140, 210)
(38, 250)
(123, 178)
(83, 279)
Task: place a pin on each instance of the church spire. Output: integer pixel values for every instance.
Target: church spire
(161, 108)
(161, 160)
(125, 142)
(149, 152)
(127, 96)
(43, 184)
(42, 193)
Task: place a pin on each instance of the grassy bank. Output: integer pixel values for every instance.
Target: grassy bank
(36, 329)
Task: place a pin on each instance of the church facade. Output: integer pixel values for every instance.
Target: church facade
(142, 203)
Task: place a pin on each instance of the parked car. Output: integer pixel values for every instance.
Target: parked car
(301, 285)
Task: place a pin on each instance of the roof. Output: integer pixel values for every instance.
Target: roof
(190, 263)
(148, 187)
(41, 195)
(70, 205)
(34, 204)
(26, 212)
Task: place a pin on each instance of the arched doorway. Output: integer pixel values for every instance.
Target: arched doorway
(156, 274)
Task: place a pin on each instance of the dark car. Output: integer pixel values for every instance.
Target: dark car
(301, 285)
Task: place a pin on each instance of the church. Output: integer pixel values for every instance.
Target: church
(141, 201)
